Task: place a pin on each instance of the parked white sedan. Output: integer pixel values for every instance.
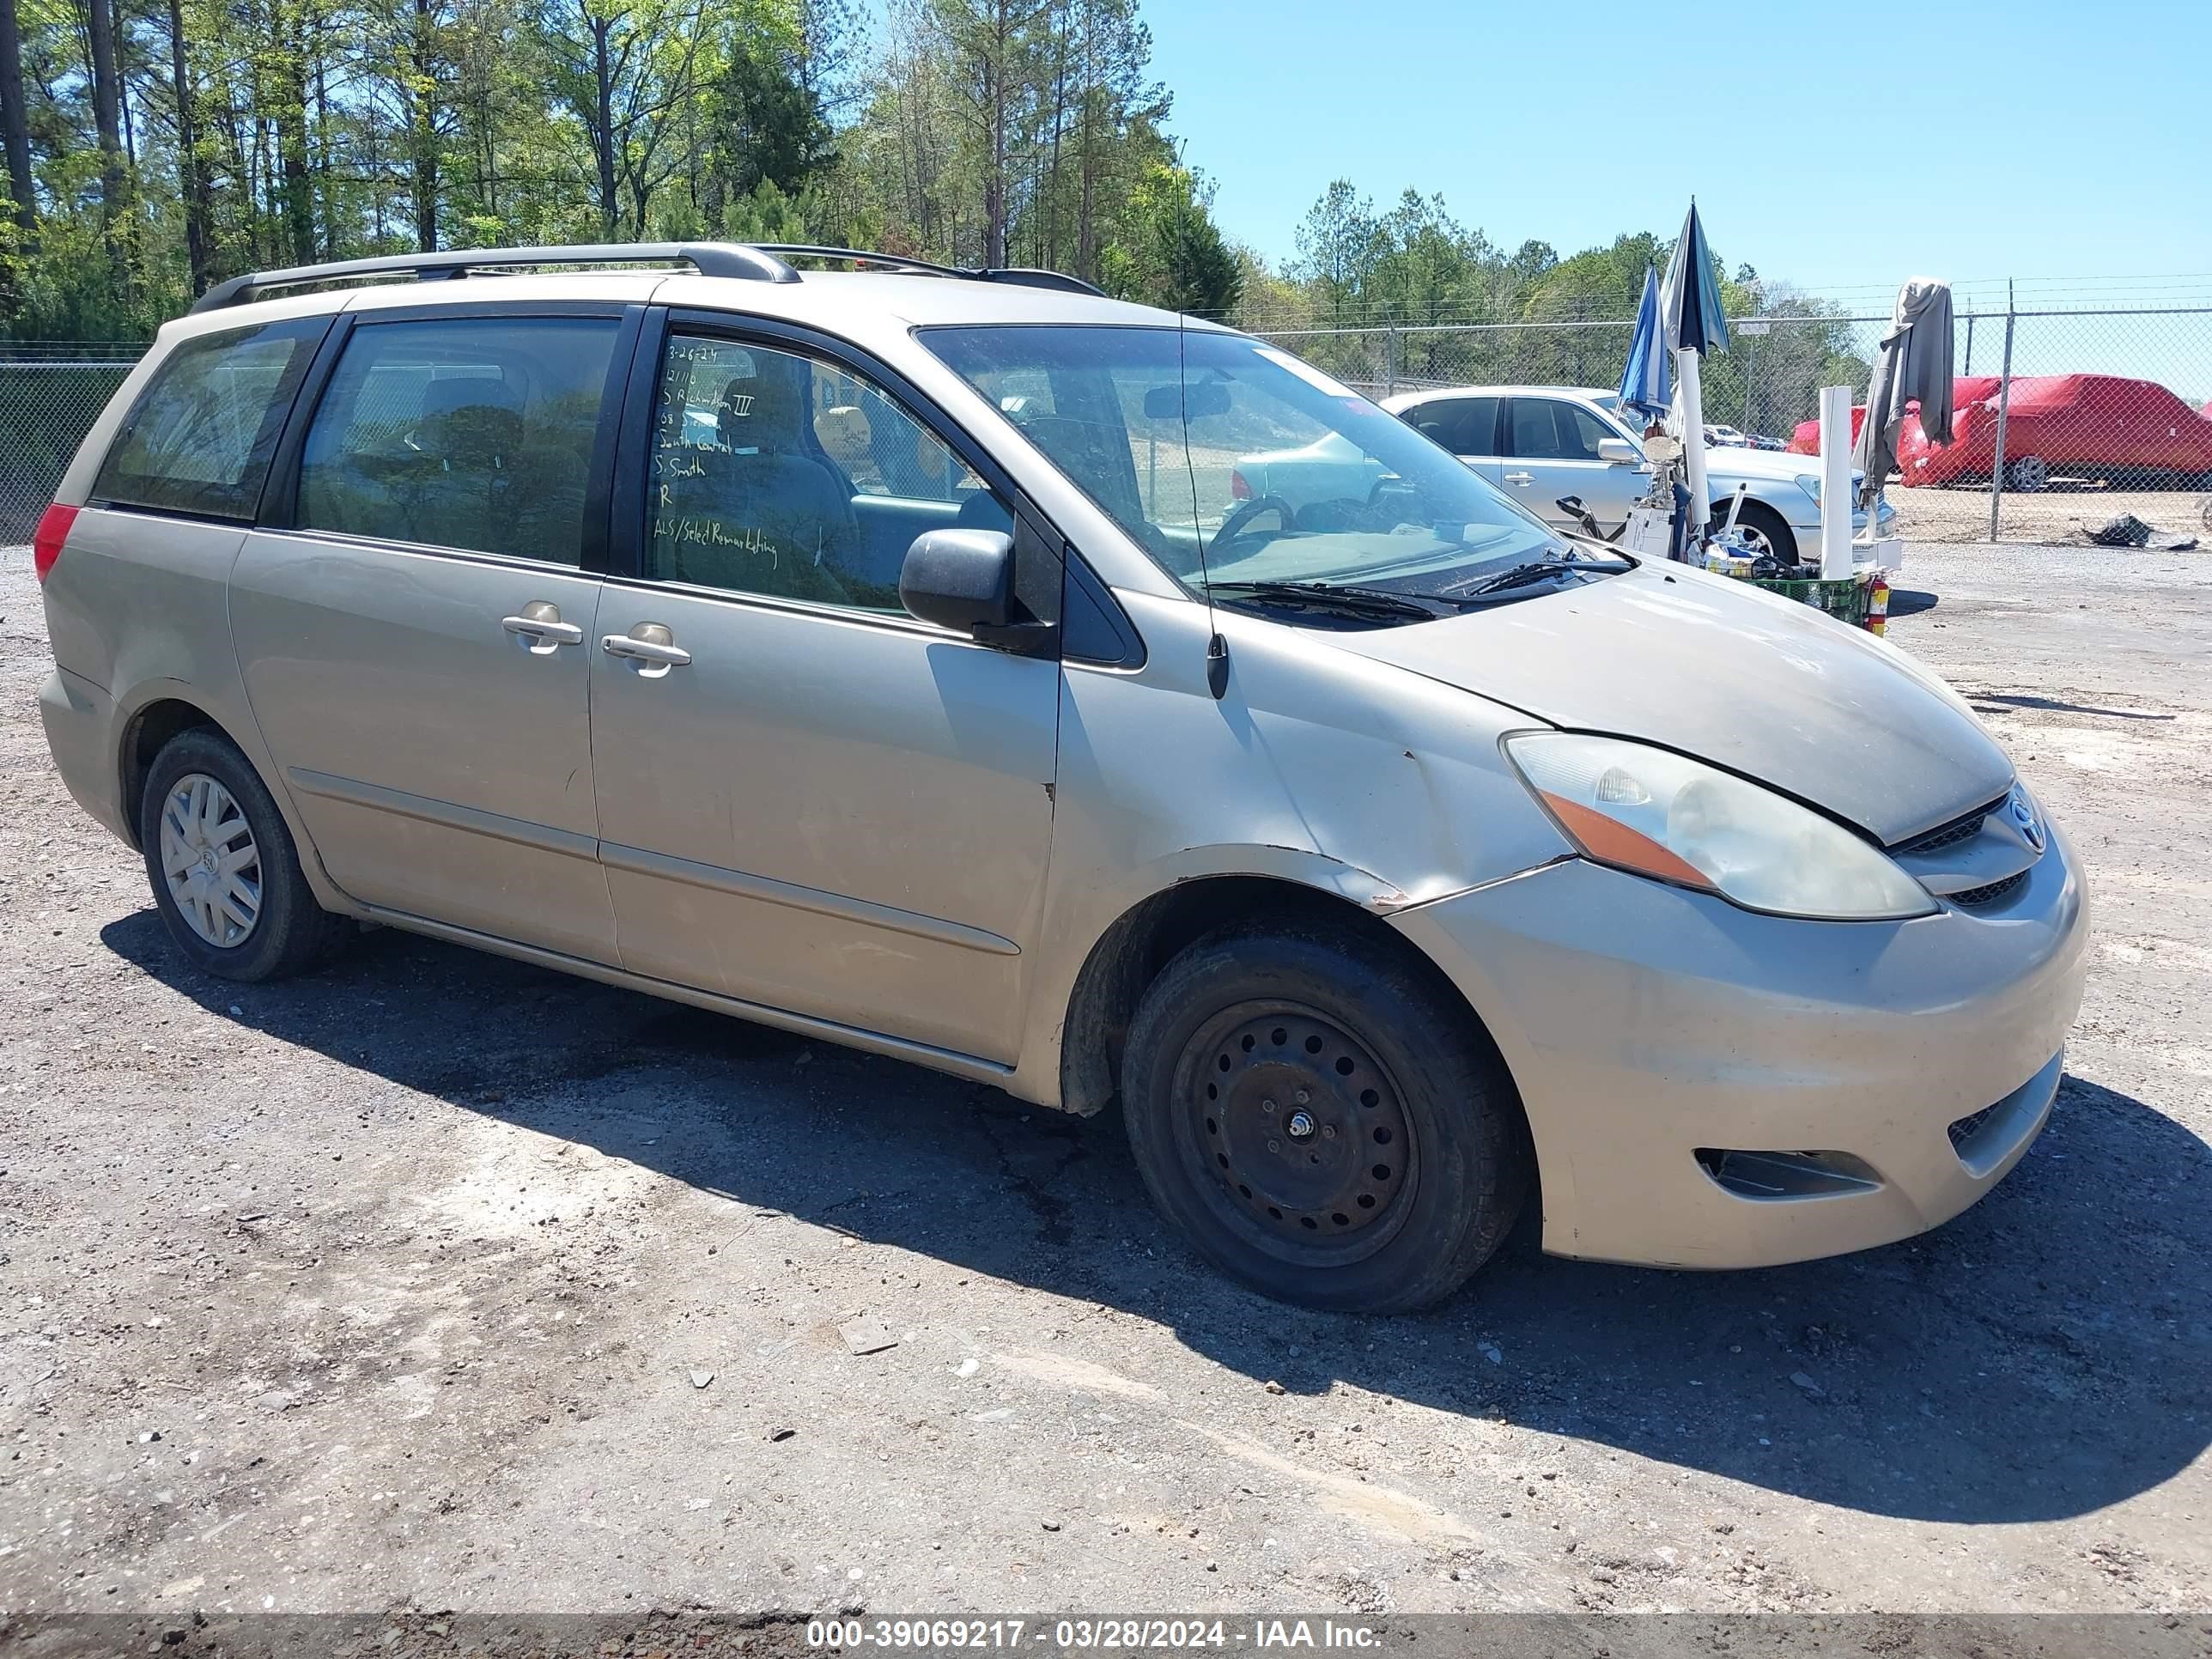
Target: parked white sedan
(1538, 443)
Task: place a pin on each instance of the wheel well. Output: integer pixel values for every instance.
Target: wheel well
(1131, 953)
(149, 732)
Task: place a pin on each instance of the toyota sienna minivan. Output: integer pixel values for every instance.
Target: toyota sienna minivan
(885, 653)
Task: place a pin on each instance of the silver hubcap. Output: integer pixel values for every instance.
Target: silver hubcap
(1752, 537)
(210, 861)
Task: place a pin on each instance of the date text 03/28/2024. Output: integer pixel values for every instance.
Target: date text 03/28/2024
(1087, 1635)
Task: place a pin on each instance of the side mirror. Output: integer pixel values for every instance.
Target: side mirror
(960, 579)
(1617, 452)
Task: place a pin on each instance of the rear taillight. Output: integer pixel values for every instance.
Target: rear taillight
(1239, 490)
(47, 541)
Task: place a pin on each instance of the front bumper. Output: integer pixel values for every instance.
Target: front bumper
(1805, 522)
(1651, 1029)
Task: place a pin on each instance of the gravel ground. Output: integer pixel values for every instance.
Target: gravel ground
(437, 1281)
(2059, 513)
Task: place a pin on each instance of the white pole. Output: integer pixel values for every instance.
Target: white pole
(1836, 482)
(1694, 446)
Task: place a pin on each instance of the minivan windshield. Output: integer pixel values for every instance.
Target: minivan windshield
(1239, 467)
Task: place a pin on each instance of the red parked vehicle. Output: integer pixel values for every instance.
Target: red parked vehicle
(2125, 432)
(1805, 437)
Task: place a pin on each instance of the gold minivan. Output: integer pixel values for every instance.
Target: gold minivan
(902, 655)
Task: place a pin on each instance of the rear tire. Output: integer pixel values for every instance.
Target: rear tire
(1323, 1119)
(225, 874)
(2026, 475)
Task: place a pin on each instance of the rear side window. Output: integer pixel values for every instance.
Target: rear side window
(1465, 426)
(469, 432)
(199, 438)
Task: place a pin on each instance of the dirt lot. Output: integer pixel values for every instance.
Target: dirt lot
(440, 1281)
(2055, 514)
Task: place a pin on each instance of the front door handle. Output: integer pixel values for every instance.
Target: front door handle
(1521, 478)
(651, 646)
(540, 629)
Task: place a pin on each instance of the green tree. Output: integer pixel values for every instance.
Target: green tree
(1338, 241)
(994, 51)
(624, 72)
(15, 131)
(1175, 256)
(151, 149)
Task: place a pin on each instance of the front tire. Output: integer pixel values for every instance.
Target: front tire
(1323, 1119)
(225, 874)
(1764, 527)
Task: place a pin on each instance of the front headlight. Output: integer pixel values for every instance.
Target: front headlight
(1676, 820)
(1810, 484)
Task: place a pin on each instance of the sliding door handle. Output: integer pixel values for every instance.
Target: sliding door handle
(651, 646)
(621, 645)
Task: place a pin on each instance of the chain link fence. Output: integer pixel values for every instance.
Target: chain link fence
(2110, 411)
(51, 392)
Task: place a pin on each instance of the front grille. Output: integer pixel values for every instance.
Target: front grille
(1969, 1126)
(1963, 828)
(1974, 897)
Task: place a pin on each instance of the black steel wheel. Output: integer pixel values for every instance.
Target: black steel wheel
(1302, 1130)
(1322, 1119)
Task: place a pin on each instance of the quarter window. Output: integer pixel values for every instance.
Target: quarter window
(472, 432)
(781, 475)
(201, 436)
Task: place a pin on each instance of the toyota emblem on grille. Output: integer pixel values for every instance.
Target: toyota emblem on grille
(2026, 821)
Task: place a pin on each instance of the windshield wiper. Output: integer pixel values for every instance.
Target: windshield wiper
(1551, 564)
(1374, 603)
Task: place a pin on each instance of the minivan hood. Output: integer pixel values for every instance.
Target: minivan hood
(1712, 667)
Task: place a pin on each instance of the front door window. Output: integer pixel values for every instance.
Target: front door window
(781, 475)
(1545, 429)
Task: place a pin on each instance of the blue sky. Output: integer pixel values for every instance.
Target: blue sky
(2049, 139)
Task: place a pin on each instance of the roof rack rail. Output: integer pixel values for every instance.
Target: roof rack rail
(1018, 275)
(861, 256)
(709, 258)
